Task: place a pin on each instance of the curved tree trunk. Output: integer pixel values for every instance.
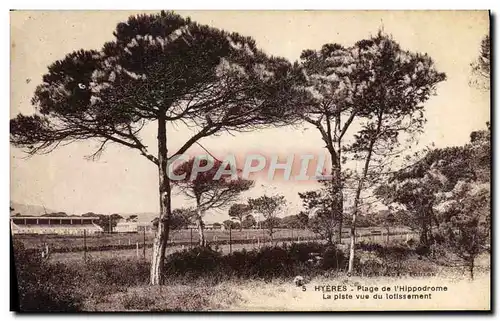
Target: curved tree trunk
(161, 237)
(340, 203)
(352, 233)
(338, 177)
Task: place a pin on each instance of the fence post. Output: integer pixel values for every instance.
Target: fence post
(230, 241)
(191, 238)
(85, 245)
(137, 249)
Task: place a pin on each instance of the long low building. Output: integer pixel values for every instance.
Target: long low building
(207, 226)
(125, 227)
(70, 225)
(133, 227)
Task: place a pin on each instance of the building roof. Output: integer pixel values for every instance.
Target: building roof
(62, 226)
(56, 217)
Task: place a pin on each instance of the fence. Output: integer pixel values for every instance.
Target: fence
(137, 244)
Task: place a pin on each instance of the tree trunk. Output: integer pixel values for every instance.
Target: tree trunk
(352, 245)
(424, 240)
(199, 222)
(471, 267)
(161, 237)
(337, 195)
(201, 232)
(338, 176)
(358, 194)
(340, 203)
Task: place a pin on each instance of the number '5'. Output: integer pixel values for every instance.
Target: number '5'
(303, 288)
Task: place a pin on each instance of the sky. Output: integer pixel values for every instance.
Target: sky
(123, 181)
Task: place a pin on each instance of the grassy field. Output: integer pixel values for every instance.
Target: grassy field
(138, 253)
(131, 245)
(178, 237)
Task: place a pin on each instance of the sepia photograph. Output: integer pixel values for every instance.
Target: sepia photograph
(243, 161)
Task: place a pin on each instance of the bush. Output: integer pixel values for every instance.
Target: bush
(369, 247)
(394, 250)
(266, 263)
(334, 258)
(302, 251)
(193, 262)
(423, 250)
(371, 268)
(239, 263)
(272, 262)
(393, 260)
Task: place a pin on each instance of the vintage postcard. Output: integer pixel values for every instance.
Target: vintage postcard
(250, 161)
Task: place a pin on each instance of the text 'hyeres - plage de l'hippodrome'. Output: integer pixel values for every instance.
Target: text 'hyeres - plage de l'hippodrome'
(360, 292)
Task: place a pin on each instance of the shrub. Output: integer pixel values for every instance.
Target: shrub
(394, 250)
(423, 250)
(240, 263)
(266, 263)
(392, 260)
(334, 258)
(369, 246)
(271, 262)
(302, 251)
(372, 267)
(193, 262)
